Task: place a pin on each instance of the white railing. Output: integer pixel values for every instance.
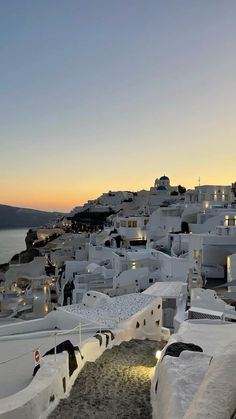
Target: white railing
(20, 356)
(89, 326)
(77, 329)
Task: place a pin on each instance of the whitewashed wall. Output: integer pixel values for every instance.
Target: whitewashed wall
(216, 396)
(231, 271)
(74, 267)
(34, 268)
(46, 389)
(175, 268)
(99, 253)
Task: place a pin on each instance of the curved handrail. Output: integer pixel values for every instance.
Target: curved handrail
(53, 334)
(46, 333)
(20, 356)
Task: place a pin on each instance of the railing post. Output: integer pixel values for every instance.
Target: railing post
(80, 338)
(223, 315)
(55, 347)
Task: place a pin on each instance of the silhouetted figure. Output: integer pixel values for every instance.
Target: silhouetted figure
(68, 290)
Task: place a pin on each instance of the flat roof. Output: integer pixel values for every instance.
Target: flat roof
(168, 289)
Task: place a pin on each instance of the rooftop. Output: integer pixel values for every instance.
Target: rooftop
(114, 311)
(165, 289)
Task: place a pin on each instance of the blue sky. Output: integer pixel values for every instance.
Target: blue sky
(99, 95)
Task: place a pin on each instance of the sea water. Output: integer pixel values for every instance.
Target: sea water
(12, 241)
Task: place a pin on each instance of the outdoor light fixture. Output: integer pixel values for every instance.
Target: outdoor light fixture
(158, 355)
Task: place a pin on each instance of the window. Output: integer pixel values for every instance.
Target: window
(145, 222)
(196, 254)
(231, 221)
(132, 223)
(123, 223)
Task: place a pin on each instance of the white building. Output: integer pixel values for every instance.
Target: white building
(163, 192)
(123, 260)
(202, 219)
(209, 195)
(231, 272)
(174, 297)
(114, 198)
(208, 250)
(164, 220)
(131, 228)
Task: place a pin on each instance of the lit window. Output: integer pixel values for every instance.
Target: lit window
(132, 223)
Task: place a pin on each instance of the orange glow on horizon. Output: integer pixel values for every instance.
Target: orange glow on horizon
(60, 197)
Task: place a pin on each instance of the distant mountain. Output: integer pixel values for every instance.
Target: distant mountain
(13, 217)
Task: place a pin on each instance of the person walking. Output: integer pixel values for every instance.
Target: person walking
(68, 290)
(72, 287)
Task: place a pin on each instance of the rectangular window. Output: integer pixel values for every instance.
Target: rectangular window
(123, 223)
(132, 223)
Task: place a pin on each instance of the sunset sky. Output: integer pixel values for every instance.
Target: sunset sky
(101, 95)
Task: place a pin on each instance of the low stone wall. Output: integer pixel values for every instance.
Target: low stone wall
(43, 390)
(174, 383)
(216, 396)
(196, 385)
(52, 381)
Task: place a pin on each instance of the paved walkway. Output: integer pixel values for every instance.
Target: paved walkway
(116, 386)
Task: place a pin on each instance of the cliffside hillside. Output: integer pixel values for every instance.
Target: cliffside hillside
(13, 217)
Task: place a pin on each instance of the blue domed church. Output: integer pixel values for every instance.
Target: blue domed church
(162, 184)
(161, 192)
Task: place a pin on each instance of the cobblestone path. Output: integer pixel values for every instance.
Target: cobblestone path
(116, 386)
